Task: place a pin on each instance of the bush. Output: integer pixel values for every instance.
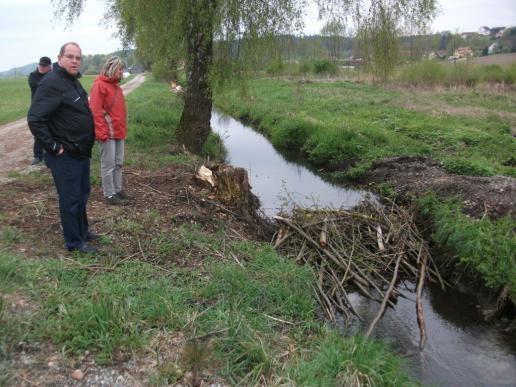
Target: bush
(324, 66)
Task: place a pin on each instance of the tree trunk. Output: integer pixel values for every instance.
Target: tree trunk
(194, 125)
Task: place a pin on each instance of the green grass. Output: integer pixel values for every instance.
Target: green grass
(341, 124)
(487, 247)
(15, 97)
(237, 308)
(251, 321)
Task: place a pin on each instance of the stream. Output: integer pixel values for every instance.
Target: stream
(462, 349)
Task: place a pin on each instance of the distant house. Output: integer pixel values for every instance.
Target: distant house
(497, 32)
(463, 52)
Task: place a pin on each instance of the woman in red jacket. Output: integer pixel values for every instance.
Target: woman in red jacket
(107, 104)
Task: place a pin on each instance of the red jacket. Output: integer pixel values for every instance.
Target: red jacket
(107, 104)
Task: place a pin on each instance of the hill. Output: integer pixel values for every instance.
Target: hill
(16, 72)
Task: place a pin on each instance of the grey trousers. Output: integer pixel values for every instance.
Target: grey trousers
(111, 161)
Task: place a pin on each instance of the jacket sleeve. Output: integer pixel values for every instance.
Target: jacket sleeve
(97, 97)
(45, 102)
(33, 83)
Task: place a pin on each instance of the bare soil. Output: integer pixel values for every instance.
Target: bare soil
(161, 202)
(493, 196)
(499, 59)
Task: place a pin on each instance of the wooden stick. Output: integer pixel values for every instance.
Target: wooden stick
(419, 305)
(385, 299)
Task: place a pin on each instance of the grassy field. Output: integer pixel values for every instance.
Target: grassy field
(341, 124)
(230, 308)
(15, 97)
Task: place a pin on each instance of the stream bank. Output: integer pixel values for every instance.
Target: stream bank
(437, 358)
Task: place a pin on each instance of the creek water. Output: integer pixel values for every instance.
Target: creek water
(462, 349)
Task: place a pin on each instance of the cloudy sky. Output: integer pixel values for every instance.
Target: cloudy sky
(28, 29)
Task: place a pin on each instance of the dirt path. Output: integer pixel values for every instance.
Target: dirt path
(16, 140)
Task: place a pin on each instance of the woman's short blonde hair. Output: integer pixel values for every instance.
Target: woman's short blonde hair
(111, 66)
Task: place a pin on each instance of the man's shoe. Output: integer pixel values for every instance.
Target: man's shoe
(113, 200)
(93, 237)
(84, 249)
(122, 195)
(36, 161)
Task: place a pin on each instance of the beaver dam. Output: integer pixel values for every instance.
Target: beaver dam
(373, 268)
(370, 249)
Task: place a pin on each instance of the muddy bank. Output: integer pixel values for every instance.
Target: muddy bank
(414, 176)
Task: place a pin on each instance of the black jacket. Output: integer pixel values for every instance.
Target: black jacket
(34, 79)
(60, 115)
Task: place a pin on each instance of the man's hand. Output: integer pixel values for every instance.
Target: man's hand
(57, 149)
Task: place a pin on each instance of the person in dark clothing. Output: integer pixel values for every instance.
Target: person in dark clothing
(61, 119)
(44, 66)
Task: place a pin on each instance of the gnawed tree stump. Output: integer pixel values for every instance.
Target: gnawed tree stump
(232, 188)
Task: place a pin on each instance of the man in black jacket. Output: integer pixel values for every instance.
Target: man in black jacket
(44, 66)
(61, 119)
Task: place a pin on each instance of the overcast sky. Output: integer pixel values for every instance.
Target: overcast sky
(28, 29)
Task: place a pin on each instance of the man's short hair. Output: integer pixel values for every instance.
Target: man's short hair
(63, 47)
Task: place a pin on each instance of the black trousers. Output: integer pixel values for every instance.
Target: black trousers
(72, 181)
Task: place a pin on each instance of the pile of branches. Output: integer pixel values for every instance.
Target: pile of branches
(369, 250)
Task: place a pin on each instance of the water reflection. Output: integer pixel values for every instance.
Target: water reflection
(274, 178)
(462, 349)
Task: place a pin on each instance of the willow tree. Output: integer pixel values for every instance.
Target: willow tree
(186, 32)
(379, 24)
(334, 34)
(212, 38)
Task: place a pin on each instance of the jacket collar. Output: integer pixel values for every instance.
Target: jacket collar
(103, 78)
(60, 70)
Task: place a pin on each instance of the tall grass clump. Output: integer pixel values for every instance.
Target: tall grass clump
(491, 73)
(486, 246)
(511, 74)
(349, 361)
(292, 133)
